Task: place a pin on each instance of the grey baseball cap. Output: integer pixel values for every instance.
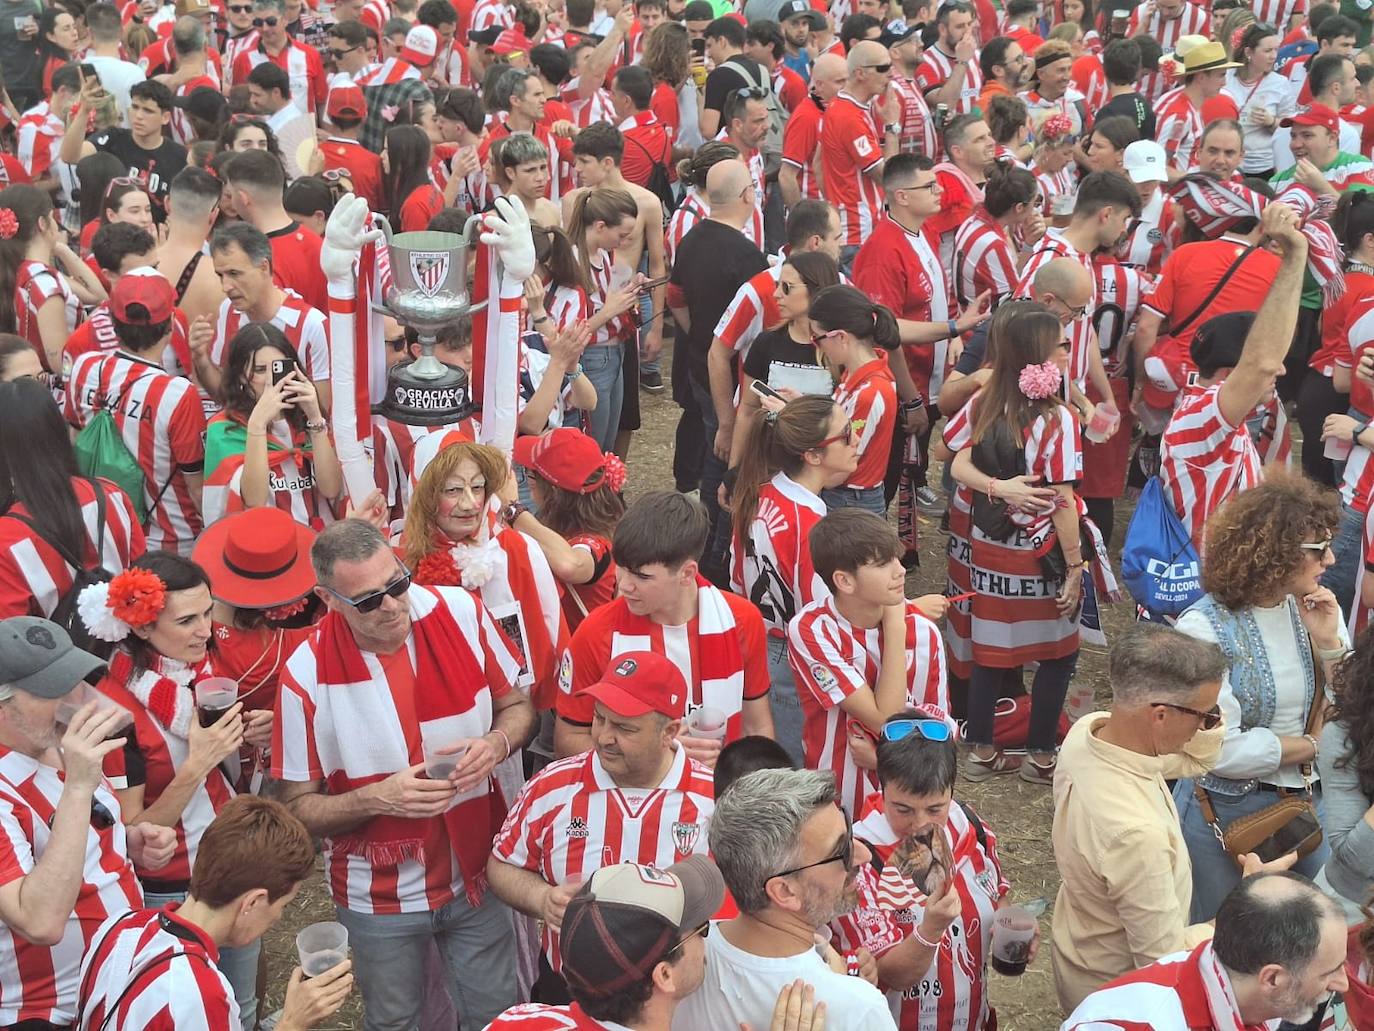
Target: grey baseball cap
(37, 656)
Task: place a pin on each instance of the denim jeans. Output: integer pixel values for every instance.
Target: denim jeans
(1214, 872)
(389, 950)
(604, 366)
(847, 253)
(1346, 549)
(239, 966)
(870, 499)
(647, 321)
(1048, 688)
(712, 471)
(783, 702)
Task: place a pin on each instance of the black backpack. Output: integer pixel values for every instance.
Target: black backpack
(65, 614)
(659, 184)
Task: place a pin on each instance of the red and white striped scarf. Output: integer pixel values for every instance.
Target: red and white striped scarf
(164, 690)
(452, 698)
(496, 349)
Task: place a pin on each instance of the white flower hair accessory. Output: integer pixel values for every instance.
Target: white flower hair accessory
(93, 606)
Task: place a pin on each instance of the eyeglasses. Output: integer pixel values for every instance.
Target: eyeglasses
(372, 602)
(787, 287)
(818, 338)
(847, 436)
(270, 21)
(844, 855)
(397, 344)
(121, 181)
(101, 817)
(881, 69)
(339, 54)
(931, 730)
(1320, 547)
(1075, 313)
(1211, 719)
(704, 930)
(932, 186)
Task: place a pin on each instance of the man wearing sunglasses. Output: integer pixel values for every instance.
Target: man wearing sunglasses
(64, 852)
(788, 854)
(1127, 879)
(396, 673)
(302, 64)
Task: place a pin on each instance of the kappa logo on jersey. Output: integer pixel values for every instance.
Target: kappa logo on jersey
(685, 836)
(577, 828)
(430, 269)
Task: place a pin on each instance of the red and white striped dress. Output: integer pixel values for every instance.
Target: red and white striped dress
(831, 659)
(1015, 618)
(1052, 246)
(773, 567)
(305, 327)
(1179, 129)
(160, 971)
(33, 577)
(983, 259)
(691, 211)
(952, 996)
(160, 420)
(868, 395)
(39, 982)
(935, 69)
(35, 284)
(572, 819)
(1192, 20)
(1203, 459)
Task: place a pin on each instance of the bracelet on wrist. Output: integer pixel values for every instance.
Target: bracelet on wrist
(318, 426)
(1313, 742)
(509, 750)
(915, 404)
(992, 490)
(920, 938)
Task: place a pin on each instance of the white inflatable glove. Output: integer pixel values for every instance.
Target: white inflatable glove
(508, 230)
(348, 230)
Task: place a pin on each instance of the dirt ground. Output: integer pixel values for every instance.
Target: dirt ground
(1019, 813)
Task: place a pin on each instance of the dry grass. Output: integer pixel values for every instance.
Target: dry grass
(1018, 813)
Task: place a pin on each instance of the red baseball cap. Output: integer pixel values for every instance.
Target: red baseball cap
(512, 41)
(346, 100)
(143, 296)
(638, 683)
(1318, 115)
(566, 457)
(421, 44)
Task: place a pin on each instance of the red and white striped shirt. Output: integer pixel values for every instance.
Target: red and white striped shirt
(602, 265)
(234, 46)
(1192, 20)
(1179, 128)
(1203, 459)
(1152, 237)
(1090, 79)
(1277, 12)
(586, 110)
(952, 995)
(831, 658)
(306, 329)
(918, 128)
(800, 139)
(160, 420)
(302, 66)
(534, 1016)
(40, 138)
(35, 285)
(868, 395)
(773, 567)
(487, 13)
(161, 973)
(1120, 289)
(983, 259)
(850, 147)
(1052, 246)
(753, 308)
(1055, 184)
(34, 577)
(691, 211)
(935, 69)
(39, 982)
(572, 819)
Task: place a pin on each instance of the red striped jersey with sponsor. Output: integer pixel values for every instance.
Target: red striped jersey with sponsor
(160, 420)
(586, 110)
(691, 211)
(753, 308)
(935, 69)
(39, 982)
(849, 146)
(983, 259)
(34, 285)
(1120, 288)
(1203, 459)
(952, 994)
(1277, 12)
(1180, 129)
(1090, 79)
(1054, 184)
(486, 13)
(572, 819)
(800, 139)
(34, 577)
(1339, 343)
(234, 47)
(535, 1016)
(831, 658)
(772, 568)
(868, 395)
(302, 66)
(613, 630)
(1152, 237)
(40, 138)
(153, 971)
(1192, 20)
(305, 327)
(1051, 246)
(918, 128)
(349, 734)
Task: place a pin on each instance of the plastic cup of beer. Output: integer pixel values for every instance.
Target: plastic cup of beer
(82, 695)
(1013, 930)
(214, 697)
(441, 758)
(708, 722)
(322, 947)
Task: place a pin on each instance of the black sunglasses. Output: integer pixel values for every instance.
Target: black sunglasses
(270, 21)
(397, 344)
(338, 54)
(372, 602)
(704, 930)
(101, 817)
(1211, 719)
(844, 855)
(240, 9)
(881, 68)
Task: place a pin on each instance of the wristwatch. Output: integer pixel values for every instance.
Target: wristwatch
(1360, 427)
(317, 427)
(953, 327)
(894, 127)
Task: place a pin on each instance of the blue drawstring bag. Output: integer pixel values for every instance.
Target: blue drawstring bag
(1159, 564)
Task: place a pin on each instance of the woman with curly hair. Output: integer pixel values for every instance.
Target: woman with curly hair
(1281, 632)
(248, 132)
(457, 534)
(1345, 762)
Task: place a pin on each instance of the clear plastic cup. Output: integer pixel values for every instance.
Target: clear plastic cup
(1337, 449)
(707, 722)
(322, 947)
(442, 758)
(1104, 420)
(214, 697)
(83, 694)
(1013, 930)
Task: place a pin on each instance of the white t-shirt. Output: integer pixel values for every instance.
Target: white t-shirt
(117, 76)
(741, 987)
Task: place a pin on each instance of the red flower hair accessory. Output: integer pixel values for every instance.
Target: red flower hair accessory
(9, 224)
(285, 612)
(614, 472)
(1236, 37)
(134, 598)
(1056, 127)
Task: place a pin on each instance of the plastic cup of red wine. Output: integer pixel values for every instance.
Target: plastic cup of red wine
(1013, 930)
(322, 947)
(214, 697)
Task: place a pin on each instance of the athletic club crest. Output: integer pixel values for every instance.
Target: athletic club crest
(429, 269)
(685, 836)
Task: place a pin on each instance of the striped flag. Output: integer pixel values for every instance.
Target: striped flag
(496, 349)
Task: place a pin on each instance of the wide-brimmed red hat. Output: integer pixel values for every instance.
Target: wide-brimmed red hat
(258, 559)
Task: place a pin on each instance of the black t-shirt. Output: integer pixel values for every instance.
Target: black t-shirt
(975, 350)
(712, 262)
(157, 167)
(723, 80)
(777, 345)
(1136, 108)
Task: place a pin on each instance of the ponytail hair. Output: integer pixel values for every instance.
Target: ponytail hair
(776, 443)
(603, 204)
(845, 307)
(1008, 185)
(1353, 219)
(554, 251)
(692, 170)
(29, 205)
